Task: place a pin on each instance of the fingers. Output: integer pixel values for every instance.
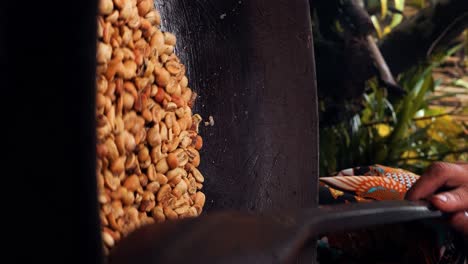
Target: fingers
(448, 175)
(459, 221)
(452, 201)
(439, 174)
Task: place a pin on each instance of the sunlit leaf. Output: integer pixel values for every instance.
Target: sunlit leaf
(386, 30)
(383, 8)
(461, 83)
(397, 18)
(392, 110)
(376, 24)
(400, 4)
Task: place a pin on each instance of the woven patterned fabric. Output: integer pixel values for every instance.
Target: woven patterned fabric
(418, 242)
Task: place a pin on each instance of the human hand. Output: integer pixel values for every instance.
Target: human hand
(451, 176)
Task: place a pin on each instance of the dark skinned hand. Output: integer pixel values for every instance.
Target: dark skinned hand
(445, 185)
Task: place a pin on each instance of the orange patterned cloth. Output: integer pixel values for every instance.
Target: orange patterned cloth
(373, 182)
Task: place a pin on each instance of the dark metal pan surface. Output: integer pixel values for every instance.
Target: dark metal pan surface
(251, 62)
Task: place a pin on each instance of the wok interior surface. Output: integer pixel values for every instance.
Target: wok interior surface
(251, 62)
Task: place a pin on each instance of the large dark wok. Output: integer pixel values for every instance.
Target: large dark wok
(252, 64)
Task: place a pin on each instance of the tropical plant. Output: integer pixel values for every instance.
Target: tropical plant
(403, 132)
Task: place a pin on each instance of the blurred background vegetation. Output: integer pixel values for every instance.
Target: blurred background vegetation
(427, 123)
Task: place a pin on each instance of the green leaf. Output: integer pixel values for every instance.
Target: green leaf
(377, 27)
(392, 110)
(400, 4)
(461, 83)
(383, 8)
(397, 18)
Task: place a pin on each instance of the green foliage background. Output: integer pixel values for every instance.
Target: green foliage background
(401, 132)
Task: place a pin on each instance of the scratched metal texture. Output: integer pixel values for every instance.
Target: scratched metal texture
(251, 62)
